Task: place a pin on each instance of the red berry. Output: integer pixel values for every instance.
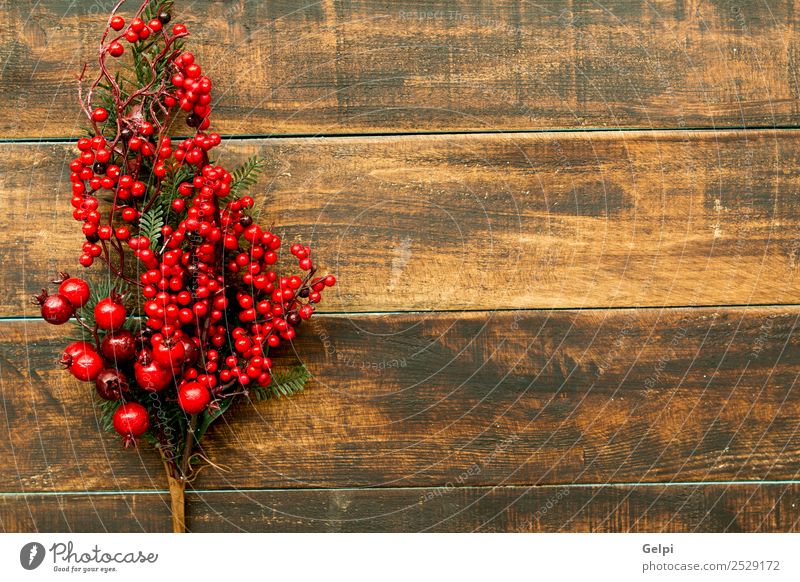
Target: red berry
(193, 397)
(178, 29)
(118, 346)
(191, 350)
(99, 115)
(150, 376)
(110, 313)
(131, 421)
(75, 290)
(111, 384)
(86, 366)
(117, 22)
(56, 309)
(169, 353)
(74, 349)
(115, 49)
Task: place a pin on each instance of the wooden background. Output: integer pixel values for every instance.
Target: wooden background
(568, 241)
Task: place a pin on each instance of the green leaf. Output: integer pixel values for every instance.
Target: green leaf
(284, 384)
(210, 416)
(245, 176)
(150, 224)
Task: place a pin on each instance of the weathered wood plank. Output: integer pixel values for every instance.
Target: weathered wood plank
(677, 508)
(513, 398)
(487, 221)
(387, 66)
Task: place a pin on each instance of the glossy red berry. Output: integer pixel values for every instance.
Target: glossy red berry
(131, 421)
(118, 346)
(99, 115)
(150, 376)
(75, 290)
(193, 397)
(115, 49)
(110, 313)
(169, 353)
(86, 366)
(117, 22)
(74, 349)
(56, 309)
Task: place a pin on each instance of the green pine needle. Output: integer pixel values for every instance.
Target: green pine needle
(107, 408)
(152, 9)
(169, 187)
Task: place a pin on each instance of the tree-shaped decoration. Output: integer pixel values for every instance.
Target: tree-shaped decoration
(189, 305)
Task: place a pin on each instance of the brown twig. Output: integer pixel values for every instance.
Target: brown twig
(187, 447)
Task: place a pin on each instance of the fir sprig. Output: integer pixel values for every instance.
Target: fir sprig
(106, 409)
(284, 384)
(151, 222)
(245, 176)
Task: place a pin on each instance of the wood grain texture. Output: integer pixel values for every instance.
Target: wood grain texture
(681, 508)
(486, 221)
(387, 66)
(513, 398)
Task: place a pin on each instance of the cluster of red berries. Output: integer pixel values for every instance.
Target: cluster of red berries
(193, 91)
(138, 31)
(210, 265)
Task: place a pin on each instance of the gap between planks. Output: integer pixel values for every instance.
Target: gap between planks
(418, 488)
(568, 130)
(344, 314)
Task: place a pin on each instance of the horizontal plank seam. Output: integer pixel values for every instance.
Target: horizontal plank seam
(416, 488)
(342, 314)
(642, 130)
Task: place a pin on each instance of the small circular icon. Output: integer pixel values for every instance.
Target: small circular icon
(31, 555)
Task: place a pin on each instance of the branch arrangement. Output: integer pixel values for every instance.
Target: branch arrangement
(183, 322)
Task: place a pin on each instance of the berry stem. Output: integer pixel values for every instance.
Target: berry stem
(90, 329)
(187, 448)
